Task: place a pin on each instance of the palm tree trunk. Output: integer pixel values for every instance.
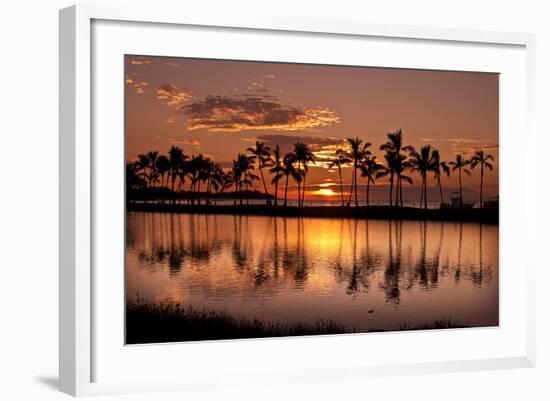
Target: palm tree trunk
(355, 180)
(276, 191)
(368, 189)
(422, 192)
(460, 186)
(391, 189)
(304, 188)
(173, 178)
(265, 187)
(481, 188)
(425, 194)
(299, 187)
(351, 189)
(286, 188)
(440, 188)
(401, 193)
(341, 184)
(397, 191)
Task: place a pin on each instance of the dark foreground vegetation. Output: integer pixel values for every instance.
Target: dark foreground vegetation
(488, 215)
(157, 323)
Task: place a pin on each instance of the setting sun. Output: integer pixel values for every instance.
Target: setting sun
(324, 192)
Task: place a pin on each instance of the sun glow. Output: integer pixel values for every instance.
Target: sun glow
(324, 192)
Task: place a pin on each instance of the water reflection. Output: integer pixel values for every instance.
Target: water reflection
(368, 274)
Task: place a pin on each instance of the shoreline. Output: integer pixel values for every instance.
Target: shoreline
(148, 323)
(485, 215)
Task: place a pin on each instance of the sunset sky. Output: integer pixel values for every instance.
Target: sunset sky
(219, 108)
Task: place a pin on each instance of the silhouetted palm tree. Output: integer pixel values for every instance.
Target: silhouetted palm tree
(245, 165)
(422, 163)
(277, 169)
(176, 158)
(356, 154)
(302, 155)
(163, 168)
(393, 148)
(369, 169)
(340, 160)
(142, 164)
(483, 160)
(214, 178)
(262, 155)
(289, 171)
(438, 168)
(133, 178)
(460, 164)
(152, 164)
(401, 165)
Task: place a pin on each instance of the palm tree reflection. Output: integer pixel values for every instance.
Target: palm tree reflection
(393, 255)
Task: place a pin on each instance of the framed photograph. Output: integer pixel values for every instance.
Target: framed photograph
(272, 199)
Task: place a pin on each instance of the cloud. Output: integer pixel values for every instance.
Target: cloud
(189, 142)
(185, 142)
(324, 148)
(138, 85)
(254, 112)
(139, 61)
(172, 96)
(470, 150)
(450, 140)
(464, 146)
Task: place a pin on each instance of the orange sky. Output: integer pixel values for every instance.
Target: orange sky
(219, 108)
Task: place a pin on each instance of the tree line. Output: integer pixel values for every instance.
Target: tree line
(263, 164)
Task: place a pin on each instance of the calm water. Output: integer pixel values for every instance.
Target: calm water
(365, 274)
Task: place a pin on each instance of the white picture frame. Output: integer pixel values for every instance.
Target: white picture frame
(78, 349)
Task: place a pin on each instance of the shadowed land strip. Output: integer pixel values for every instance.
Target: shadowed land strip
(484, 215)
(157, 323)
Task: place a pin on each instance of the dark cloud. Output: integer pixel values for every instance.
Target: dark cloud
(324, 148)
(253, 112)
(173, 96)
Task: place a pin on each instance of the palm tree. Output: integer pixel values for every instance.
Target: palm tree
(142, 164)
(393, 148)
(152, 164)
(215, 179)
(245, 177)
(302, 155)
(422, 163)
(288, 170)
(235, 178)
(356, 154)
(262, 155)
(439, 167)
(163, 167)
(340, 160)
(133, 178)
(176, 157)
(460, 164)
(369, 169)
(484, 163)
(277, 169)
(401, 165)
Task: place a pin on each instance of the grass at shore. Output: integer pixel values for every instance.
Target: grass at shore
(148, 322)
(155, 323)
